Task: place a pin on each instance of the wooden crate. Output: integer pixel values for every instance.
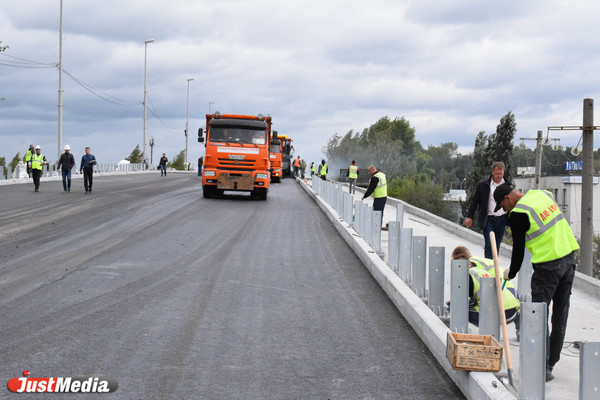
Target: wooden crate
(473, 352)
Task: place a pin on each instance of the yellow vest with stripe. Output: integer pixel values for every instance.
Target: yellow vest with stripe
(549, 236)
(487, 266)
(28, 155)
(312, 168)
(36, 161)
(323, 170)
(381, 189)
(352, 172)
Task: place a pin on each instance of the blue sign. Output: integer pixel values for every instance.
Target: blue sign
(574, 165)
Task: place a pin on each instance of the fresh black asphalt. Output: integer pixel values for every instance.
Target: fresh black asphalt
(180, 297)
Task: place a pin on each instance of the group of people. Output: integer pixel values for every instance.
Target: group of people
(299, 167)
(35, 162)
(538, 225)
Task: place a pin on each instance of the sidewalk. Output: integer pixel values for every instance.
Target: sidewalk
(584, 317)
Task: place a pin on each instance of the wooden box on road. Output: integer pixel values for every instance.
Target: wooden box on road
(474, 352)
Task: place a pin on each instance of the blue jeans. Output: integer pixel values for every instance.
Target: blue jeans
(163, 169)
(379, 205)
(66, 178)
(496, 225)
(552, 282)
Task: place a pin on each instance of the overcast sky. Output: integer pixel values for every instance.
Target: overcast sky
(452, 68)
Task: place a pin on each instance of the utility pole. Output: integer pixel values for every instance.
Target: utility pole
(151, 143)
(60, 90)
(587, 183)
(538, 159)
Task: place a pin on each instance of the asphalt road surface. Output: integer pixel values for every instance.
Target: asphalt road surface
(179, 297)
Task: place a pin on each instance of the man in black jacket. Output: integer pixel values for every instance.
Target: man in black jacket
(489, 220)
(67, 162)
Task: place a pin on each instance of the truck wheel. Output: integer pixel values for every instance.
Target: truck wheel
(262, 194)
(207, 192)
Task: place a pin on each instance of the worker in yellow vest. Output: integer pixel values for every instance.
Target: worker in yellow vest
(37, 164)
(352, 176)
(480, 267)
(30, 152)
(312, 169)
(538, 224)
(323, 170)
(377, 188)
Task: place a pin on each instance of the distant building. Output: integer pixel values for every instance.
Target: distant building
(567, 193)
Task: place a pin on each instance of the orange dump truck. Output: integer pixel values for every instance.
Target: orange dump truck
(275, 156)
(237, 154)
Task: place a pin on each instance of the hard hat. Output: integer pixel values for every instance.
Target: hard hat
(38, 147)
(67, 147)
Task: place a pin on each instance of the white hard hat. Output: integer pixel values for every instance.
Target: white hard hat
(38, 147)
(67, 147)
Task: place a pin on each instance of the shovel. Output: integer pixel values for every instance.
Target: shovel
(499, 288)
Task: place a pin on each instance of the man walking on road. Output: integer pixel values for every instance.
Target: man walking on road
(163, 165)
(489, 220)
(37, 164)
(67, 162)
(538, 225)
(87, 166)
(377, 187)
(352, 176)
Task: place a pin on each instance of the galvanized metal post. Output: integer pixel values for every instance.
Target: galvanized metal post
(376, 231)
(393, 245)
(419, 270)
(524, 277)
(459, 296)
(405, 258)
(589, 371)
(400, 214)
(368, 226)
(356, 216)
(532, 355)
(489, 314)
(587, 187)
(436, 279)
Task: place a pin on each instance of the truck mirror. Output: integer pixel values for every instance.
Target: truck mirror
(274, 135)
(200, 133)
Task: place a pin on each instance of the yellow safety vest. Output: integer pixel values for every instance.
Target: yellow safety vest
(549, 236)
(323, 169)
(36, 161)
(28, 156)
(487, 266)
(312, 167)
(381, 189)
(353, 172)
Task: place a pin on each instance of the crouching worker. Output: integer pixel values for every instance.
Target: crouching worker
(480, 267)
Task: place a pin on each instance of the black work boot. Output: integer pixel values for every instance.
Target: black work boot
(549, 375)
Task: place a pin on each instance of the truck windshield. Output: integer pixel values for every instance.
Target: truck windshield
(275, 146)
(237, 135)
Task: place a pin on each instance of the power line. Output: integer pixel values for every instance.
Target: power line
(153, 111)
(103, 95)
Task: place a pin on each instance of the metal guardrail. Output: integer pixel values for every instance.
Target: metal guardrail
(407, 258)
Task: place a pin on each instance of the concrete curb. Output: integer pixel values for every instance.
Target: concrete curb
(432, 331)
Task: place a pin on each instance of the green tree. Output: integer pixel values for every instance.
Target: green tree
(136, 156)
(500, 144)
(15, 161)
(420, 192)
(178, 161)
(3, 47)
(3, 164)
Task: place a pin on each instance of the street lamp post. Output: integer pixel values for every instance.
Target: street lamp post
(187, 119)
(151, 143)
(60, 90)
(145, 94)
(209, 104)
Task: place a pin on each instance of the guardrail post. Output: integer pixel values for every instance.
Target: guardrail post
(419, 271)
(356, 217)
(369, 226)
(376, 231)
(436, 279)
(459, 296)
(589, 371)
(489, 314)
(400, 214)
(393, 245)
(532, 354)
(363, 220)
(524, 284)
(405, 257)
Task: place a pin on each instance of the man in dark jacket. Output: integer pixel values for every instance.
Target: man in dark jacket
(67, 162)
(163, 165)
(87, 167)
(489, 220)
